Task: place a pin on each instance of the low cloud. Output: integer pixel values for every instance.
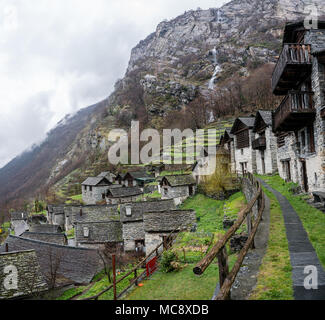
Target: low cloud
(59, 56)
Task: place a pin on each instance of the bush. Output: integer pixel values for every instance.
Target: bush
(169, 262)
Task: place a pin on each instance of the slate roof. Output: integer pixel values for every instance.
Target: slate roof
(124, 192)
(18, 216)
(77, 265)
(179, 180)
(139, 208)
(247, 121)
(140, 175)
(94, 181)
(45, 228)
(106, 174)
(97, 213)
(57, 238)
(168, 221)
(27, 265)
(266, 117)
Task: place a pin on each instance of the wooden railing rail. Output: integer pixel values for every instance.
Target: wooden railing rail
(226, 279)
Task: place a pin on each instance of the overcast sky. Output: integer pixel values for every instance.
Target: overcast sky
(59, 56)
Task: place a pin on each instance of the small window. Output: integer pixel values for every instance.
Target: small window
(128, 211)
(85, 188)
(86, 232)
(90, 189)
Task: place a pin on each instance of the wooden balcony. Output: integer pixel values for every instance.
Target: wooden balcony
(295, 112)
(259, 143)
(294, 65)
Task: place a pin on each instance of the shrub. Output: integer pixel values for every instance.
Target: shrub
(169, 262)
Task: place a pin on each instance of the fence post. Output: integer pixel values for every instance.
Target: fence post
(135, 277)
(114, 275)
(250, 226)
(223, 267)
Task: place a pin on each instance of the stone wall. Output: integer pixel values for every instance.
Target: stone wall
(247, 155)
(30, 280)
(122, 200)
(182, 192)
(132, 231)
(270, 154)
(288, 152)
(159, 224)
(249, 189)
(94, 196)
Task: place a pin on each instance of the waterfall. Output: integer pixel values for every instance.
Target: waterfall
(217, 69)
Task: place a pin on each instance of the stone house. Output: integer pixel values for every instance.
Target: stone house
(227, 142)
(299, 121)
(178, 187)
(19, 222)
(94, 190)
(30, 280)
(137, 178)
(123, 195)
(265, 143)
(57, 238)
(159, 225)
(96, 225)
(245, 155)
(132, 219)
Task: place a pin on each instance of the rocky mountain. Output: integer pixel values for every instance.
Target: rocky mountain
(200, 53)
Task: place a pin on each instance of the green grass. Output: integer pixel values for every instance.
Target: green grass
(190, 248)
(69, 294)
(71, 234)
(275, 278)
(209, 211)
(312, 219)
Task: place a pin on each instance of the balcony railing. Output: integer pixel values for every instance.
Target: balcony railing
(295, 111)
(293, 65)
(259, 143)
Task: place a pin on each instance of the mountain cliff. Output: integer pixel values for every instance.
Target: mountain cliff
(200, 56)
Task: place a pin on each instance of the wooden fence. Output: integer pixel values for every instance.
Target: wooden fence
(166, 244)
(226, 278)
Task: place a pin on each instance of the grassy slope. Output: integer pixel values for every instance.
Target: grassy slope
(274, 279)
(312, 219)
(166, 286)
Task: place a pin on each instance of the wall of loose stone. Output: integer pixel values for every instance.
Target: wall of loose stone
(132, 231)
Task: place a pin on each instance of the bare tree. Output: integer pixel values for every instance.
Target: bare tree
(54, 260)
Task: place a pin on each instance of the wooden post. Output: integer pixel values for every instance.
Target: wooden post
(165, 244)
(114, 275)
(249, 227)
(157, 254)
(223, 267)
(135, 277)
